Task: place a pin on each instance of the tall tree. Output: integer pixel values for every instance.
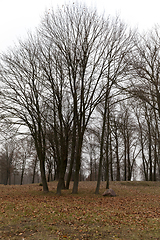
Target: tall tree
(84, 42)
(118, 46)
(22, 95)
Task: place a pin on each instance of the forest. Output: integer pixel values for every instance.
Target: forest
(80, 100)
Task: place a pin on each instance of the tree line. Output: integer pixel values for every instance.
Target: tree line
(84, 88)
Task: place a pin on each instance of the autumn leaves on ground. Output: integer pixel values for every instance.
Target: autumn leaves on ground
(28, 213)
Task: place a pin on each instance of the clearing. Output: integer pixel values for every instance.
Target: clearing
(28, 213)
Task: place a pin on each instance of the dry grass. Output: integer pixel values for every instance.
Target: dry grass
(28, 213)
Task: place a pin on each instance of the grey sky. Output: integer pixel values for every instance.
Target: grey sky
(18, 16)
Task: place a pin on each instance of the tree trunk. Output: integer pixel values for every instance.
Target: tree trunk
(76, 176)
(22, 174)
(78, 164)
(43, 175)
(107, 172)
(142, 148)
(23, 168)
(61, 183)
(101, 146)
(150, 152)
(117, 157)
(34, 169)
(69, 173)
(125, 158)
(111, 159)
(107, 149)
(155, 160)
(6, 177)
(72, 156)
(128, 158)
(158, 158)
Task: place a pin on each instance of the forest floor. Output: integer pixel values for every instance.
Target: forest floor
(28, 213)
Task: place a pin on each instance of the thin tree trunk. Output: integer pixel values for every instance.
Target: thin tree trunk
(23, 168)
(107, 148)
(34, 169)
(125, 158)
(111, 158)
(101, 147)
(128, 158)
(91, 168)
(78, 165)
(22, 174)
(155, 161)
(43, 175)
(142, 148)
(149, 148)
(117, 157)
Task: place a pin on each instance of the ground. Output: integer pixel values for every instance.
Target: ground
(28, 213)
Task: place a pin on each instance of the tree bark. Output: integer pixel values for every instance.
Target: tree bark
(61, 183)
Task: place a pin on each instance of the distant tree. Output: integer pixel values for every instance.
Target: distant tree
(34, 166)
(129, 131)
(91, 152)
(24, 152)
(7, 161)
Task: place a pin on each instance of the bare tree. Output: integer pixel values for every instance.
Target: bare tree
(118, 46)
(60, 109)
(34, 168)
(145, 79)
(24, 152)
(22, 95)
(6, 161)
(83, 40)
(91, 151)
(129, 131)
(144, 72)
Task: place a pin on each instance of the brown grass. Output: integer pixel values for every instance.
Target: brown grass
(28, 213)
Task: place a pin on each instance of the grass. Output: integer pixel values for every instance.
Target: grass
(28, 213)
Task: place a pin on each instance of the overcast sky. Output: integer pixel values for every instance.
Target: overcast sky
(19, 16)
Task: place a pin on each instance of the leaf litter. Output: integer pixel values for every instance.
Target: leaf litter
(28, 213)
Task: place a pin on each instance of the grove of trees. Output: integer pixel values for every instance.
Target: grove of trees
(80, 98)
